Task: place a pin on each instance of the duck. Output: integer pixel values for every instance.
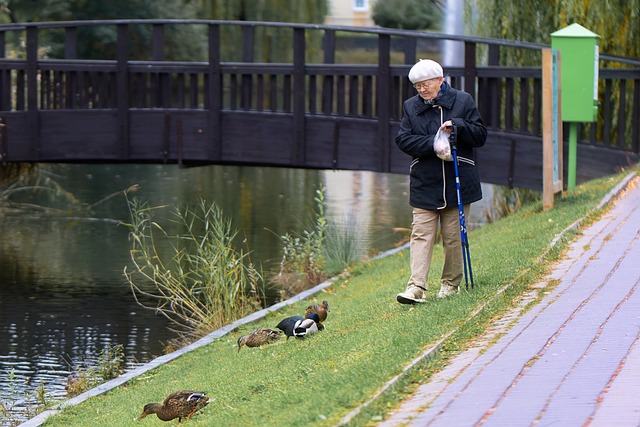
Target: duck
(259, 337)
(287, 325)
(298, 326)
(306, 326)
(181, 404)
(321, 310)
(72, 384)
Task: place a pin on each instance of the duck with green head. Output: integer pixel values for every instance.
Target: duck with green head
(298, 326)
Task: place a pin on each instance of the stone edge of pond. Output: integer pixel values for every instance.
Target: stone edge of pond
(39, 419)
(116, 382)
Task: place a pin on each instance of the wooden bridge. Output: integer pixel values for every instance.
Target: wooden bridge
(316, 110)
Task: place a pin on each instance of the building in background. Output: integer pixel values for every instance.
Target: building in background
(352, 13)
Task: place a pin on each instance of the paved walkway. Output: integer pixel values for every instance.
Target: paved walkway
(573, 359)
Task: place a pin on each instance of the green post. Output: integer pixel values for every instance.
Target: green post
(579, 75)
(573, 154)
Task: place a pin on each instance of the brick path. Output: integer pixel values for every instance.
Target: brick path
(573, 359)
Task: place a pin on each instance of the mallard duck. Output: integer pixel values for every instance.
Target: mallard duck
(288, 325)
(181, 404)
(321, 310)
(258, 337)
(306, 326)
(298, 326)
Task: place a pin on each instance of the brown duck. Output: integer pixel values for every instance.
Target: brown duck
(181, 404)
(259, 337)
(321, 310)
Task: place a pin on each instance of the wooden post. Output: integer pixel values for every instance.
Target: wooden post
(32, 90)
(122, 78)
(161, 81)
(470, 70)
(299, 128)
(246, 85)
(558, 178)
(383, 101)
(214, 94)
(3, 140)
(329, 47)
(491, 110)
(410, 46)
(71, 42)
(551, 128)
(5, 91)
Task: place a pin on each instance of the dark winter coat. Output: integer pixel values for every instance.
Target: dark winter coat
(432, 180)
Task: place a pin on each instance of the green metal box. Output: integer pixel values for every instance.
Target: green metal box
(579, 69)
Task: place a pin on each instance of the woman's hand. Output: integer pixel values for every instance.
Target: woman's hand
(447, 126)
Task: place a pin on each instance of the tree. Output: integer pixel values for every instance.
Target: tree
(271, 44)
(304, 11)
(617, 22)
(182, 42)
(408, 14)
(98, 42)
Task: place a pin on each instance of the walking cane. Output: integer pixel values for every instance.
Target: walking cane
(466, 256)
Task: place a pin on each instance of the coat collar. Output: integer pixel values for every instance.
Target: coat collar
(444, 100)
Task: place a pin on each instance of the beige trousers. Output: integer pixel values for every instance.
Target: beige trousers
(424, 230)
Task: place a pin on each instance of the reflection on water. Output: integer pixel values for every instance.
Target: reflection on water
(62, 294)
(62, 301)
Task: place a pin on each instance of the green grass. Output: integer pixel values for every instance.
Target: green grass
(369, 337)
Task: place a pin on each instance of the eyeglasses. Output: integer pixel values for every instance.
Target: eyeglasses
(425, 84)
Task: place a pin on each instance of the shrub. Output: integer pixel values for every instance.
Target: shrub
(303, 257)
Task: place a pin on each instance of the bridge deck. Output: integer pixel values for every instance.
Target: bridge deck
(308, 110)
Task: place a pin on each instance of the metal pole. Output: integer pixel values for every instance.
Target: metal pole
(464, 238)
(573, 154)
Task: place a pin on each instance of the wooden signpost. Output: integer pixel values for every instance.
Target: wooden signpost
(552, 150)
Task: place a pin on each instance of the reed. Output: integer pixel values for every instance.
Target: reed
(85, 374)
(193, 276)
(13, 412)
(343, 245)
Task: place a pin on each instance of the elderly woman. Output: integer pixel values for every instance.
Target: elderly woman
(433, 196)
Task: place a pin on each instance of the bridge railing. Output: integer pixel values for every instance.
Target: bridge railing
(215, 110)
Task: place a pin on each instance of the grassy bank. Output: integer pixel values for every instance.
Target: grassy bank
(369, 337)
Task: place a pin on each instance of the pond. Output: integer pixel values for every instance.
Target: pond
(63, 296)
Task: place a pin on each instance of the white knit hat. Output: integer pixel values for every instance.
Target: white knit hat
(425, 69)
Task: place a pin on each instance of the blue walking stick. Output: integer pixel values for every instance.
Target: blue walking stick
(466, 256)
